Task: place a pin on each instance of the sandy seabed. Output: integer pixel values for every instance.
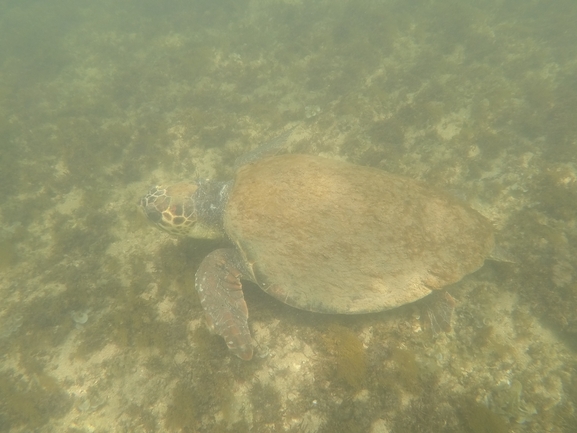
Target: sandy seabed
(100, 327)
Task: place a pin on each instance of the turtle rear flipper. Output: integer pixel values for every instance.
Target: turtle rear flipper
(220, 291)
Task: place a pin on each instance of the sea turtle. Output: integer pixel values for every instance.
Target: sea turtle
(321, 235)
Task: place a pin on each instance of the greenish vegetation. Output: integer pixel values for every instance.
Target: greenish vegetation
(347, 354)
(406, 368)
(204, 387)
(31, 404)
(479, 419)
(266, 402)
(183, 412)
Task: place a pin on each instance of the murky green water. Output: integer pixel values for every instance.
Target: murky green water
(100, 327)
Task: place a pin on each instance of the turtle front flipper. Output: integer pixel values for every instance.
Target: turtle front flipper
(220, 291)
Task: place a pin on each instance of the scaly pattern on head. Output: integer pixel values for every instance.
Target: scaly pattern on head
(188, 209)
(171, 208)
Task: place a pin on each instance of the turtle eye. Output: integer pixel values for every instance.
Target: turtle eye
(153, 215)
(149, 208)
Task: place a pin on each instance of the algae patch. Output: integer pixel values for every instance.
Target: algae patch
(406, 368)
(31, 403)
(479, 419)
(348, 355)
(183, 410)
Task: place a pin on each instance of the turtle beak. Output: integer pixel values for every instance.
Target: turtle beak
(149, 204)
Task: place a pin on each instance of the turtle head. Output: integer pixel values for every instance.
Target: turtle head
(179, 210)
